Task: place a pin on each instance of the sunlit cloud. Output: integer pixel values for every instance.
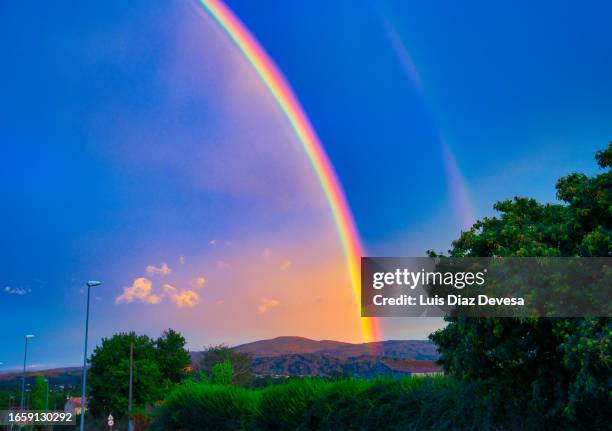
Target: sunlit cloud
(199, 282)
(186, 298)
(265, 304)
(169, 289)
(141, 290)
(220, 302)
(163, 270)
(285, 264)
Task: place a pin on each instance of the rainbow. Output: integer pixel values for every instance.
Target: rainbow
(287, 101)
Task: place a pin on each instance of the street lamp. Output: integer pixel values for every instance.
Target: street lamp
(89, 284)
(23, 378)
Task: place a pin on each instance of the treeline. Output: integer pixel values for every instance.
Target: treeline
(39, 393)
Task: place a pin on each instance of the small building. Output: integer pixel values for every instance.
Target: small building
(73, 405)
(415, 368)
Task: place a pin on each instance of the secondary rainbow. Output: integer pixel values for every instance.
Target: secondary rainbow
(286, 99)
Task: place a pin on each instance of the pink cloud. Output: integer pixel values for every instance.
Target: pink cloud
(163, 270)
(199, 282)
(265, 304)
(186, 298)
(141, 290)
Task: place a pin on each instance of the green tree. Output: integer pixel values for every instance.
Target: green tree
(39, 393)
(222, 373)
(240, 363)
(558, 369)
(109, 374)
(172, 357)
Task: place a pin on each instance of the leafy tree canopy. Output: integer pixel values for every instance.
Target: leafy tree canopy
(158, 364)
(557, 368)
(39, 393)
(240, 364)
(172, 357)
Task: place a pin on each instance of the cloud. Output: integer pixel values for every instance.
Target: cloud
(199, 282)
(163, 270)
(220, 302)
(213, 242)
(16, 291)
(265, 304)
(170, 289)
(186, 298)
(141, 290)
(285, 264)
(182, 259)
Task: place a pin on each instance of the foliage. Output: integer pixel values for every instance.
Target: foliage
(555, 371)
(222, 373)
(141, 421)
(108, 377)
(439, 403)
(204, 406)
(172, 357)
(39, 393)
(240, 363)
(286, 406)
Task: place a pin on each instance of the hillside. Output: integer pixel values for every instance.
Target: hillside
(399, 349)
(289, 345)
(298, 356)
(316, 364)
(69, 377)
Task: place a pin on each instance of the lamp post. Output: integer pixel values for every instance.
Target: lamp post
(89, 284)
(23, 378)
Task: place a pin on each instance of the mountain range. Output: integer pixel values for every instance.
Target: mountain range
(397, 349)
(299, 356)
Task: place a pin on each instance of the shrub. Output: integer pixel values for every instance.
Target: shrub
(341, 406)
(195, 407)
(287, 406)
(386, 404)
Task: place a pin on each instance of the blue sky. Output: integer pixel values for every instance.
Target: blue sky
(105, 105)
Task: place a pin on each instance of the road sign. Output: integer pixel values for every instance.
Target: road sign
(110, 421)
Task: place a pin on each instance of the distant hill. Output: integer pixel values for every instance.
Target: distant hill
(317, 364)
(397, 349)
(298, 356)
(69, 377)
(289, 345)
